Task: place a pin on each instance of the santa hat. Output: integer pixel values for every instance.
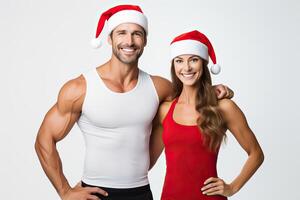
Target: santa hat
(195, 43)
(118, 15)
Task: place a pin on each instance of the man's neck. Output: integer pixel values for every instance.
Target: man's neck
(118, 72)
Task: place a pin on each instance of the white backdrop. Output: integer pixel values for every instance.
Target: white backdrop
(46, 43)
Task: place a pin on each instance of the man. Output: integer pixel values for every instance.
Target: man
(114, 106)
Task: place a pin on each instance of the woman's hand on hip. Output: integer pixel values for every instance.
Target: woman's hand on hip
(217, 186)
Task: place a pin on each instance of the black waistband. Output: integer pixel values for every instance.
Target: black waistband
(121, 191)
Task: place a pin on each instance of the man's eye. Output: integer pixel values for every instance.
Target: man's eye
(138, 34)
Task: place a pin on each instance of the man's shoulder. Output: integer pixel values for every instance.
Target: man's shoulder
(73, 89)
(162, 83)
(160, 80)
(163, 87)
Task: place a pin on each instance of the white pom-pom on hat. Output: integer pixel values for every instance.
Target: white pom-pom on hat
(215, 69)
(96, 43)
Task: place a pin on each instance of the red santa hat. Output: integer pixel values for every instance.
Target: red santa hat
(195, 43)
(118, 15)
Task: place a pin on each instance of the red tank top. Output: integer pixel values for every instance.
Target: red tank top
(189, 162)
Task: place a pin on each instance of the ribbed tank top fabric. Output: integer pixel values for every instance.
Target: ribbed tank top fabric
(116, 129)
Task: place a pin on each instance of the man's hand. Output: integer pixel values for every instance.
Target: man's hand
(222, 91)
(83, 193)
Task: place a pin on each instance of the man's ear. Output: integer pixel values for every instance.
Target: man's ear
(109, 40)
(145, 41)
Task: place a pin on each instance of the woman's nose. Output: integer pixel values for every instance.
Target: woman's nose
(187, 66)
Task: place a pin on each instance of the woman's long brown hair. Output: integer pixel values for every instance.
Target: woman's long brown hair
(211, 121)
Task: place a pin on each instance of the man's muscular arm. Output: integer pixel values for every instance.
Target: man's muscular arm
(57, 123)
(164, 90)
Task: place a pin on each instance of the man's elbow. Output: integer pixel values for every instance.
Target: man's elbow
(37, 145)
(43, 144)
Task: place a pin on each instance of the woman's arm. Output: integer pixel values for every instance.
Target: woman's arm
(238, 126)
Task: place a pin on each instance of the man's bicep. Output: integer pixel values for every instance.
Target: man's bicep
(56, 124)
(156, 144)
(62, 116)
(156, 141)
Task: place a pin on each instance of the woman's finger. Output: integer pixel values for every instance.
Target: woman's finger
(210, 185)
(211, 179)
(214, 191)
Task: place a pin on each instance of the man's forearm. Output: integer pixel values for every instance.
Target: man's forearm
(52, 166)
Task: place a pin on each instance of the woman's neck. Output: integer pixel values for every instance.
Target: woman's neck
(188, 95)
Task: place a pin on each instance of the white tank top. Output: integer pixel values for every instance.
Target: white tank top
(116, 129)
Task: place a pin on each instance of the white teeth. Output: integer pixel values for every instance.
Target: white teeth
(128, 50)
(188, 75)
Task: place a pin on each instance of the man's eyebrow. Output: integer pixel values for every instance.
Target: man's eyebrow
(119, 31)
(138, 31)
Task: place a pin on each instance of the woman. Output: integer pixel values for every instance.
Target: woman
(192, 127)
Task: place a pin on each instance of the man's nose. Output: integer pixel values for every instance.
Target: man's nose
(129, 39)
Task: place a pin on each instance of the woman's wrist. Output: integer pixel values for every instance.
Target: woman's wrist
(234, 188)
